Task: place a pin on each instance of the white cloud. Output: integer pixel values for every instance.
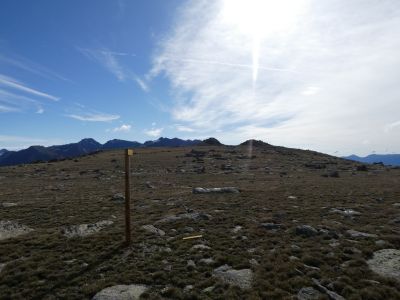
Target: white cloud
(182, 128)
(11, 142)
(94, 117)
(14, 84)
(40, 110)
(123, 128)
(252, 72)
(392, 126)
(4, 108)
(154, 132)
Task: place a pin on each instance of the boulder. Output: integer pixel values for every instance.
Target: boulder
(308, 293)
(358, 234)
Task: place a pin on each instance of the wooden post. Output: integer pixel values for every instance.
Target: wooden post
(128, 153)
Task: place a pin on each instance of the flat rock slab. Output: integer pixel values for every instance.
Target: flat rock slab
(220, 190)
(386, 262)
(358, 234)
(9, 229)
(306, 230)
(121, 292)
(347, 212)
(83, 230)
(195, 216)
(241, 278)
(153, 229)
(8, 204)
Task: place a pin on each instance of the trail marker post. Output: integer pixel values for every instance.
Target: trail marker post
(128, 154)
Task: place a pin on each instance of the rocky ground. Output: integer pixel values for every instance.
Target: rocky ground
(271, 223)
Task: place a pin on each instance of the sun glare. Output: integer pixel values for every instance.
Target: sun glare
(260, 19)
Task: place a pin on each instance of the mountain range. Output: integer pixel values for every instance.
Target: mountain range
(86, 146)
(386, 159)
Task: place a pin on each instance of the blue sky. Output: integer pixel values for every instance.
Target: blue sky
(307, 74)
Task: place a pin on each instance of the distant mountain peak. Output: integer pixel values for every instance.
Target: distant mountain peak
(255, 143)
(212, 142)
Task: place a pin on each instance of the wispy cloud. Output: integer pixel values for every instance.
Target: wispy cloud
(123, 128)
(109, 60)
(312, 75)
(182, 128)
(4, 108)
(94, 117)
(14, 84)
(12, 142)
(154, 132)
(30, 66)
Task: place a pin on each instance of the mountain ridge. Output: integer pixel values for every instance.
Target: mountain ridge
(85, 146)
(386, 159)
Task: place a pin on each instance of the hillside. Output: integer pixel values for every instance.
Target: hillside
(387, 159)
(297, 223)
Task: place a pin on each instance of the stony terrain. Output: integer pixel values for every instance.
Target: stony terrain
(291, 224)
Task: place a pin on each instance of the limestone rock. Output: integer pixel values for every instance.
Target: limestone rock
(200, 190)
(9, 229)
(386, 262)
(83, 230)
(308, 293)
(121, 292)
(306, 230)
(152, 229)
(241, 278)
(358, 234)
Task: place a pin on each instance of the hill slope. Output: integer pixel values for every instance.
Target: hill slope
(294, 220)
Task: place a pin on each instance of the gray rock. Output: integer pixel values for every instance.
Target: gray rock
(208, 289)
(152, 229)
(200, 247)
(253, 262)
(118, 197)
(206, 261)
(271, 226)
(9, 229)
(191, 263)
(358, 234)
(332, 295)
(83, 230)
(347, 212)
(308, 293)
(386, 262)
(2, 266)
(195, 216)
(188, 288)
(241, 278)
(149, 185)
(306, 230)
(200, 190)
(8, 204)
(121, 292)
(237, 229)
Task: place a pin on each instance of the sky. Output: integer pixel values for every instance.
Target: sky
(320, 75)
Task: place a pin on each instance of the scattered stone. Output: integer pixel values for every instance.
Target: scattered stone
(386, 262)
(206, 261)
(345, 212)
(152, 229)
(271, 226)
(293, 258)
(306, 230)
(200, 247)
(292, 197)
(149, 185)
(8, 204)
(237, 229)
(118, 197)
(2, 266)
(253, 262)
(308, 293)
(83, 230)
(195, 216)
(9, 229)
(200, 190)
(295, 248)
(396, 205)
(191, 263)
(359, 234)
(209, 289)
(395, 221)
(241, 278)
(121, 292)
(188, 288)
(380, 243)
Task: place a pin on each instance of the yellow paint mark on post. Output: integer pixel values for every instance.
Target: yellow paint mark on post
(130, 152)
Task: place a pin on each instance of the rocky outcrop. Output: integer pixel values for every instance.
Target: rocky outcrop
(83, 230)
(241, 278)
(121, 292)
(386, 262)
(9, 229)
